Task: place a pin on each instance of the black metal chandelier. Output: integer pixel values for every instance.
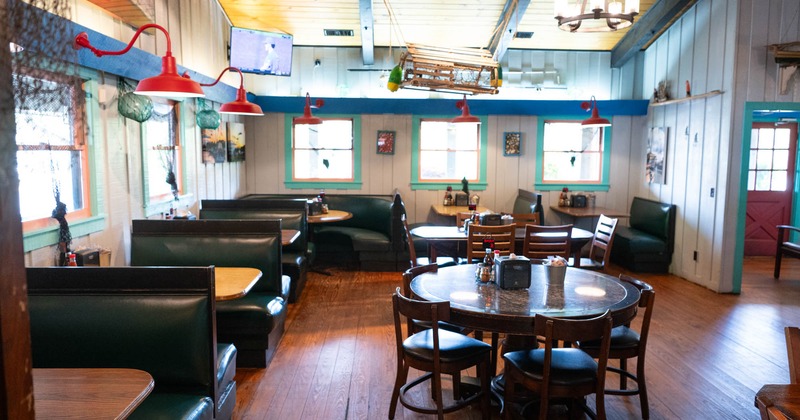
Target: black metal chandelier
(600, 16)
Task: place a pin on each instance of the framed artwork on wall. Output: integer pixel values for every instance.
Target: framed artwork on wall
(512, 143)
(385, 144)
(214, 144)
(656, 166)
(235, 142)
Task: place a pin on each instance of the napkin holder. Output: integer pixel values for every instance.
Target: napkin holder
(512, 273)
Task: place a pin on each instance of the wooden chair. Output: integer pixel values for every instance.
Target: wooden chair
(785, 246)
(412, 252)
(627, 344)
(561, 373)
(503, 237)
(435, 351)
(600, 252)
(522, 219)
(541, 242)
(461, 216)
(793, 352)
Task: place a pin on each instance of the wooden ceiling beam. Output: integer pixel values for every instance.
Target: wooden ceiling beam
(507, 27)
(650, 26)
(367, 34)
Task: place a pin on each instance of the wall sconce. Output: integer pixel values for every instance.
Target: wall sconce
(241, 106)
(465, 116)
(167, 84)
(307, 118)
(594, 121)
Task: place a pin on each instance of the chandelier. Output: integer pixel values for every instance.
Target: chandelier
(600, 16)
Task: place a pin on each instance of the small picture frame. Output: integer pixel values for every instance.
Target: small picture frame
(385, 143)
(512, 143)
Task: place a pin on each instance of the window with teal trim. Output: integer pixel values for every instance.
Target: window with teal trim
(162, 158)
(324, 153)
(444, 153)
(571, 155)
(52, 155)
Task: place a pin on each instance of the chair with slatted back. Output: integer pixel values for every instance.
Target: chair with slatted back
(793, 352)
(541, 242)
(461, 216)
(502, 237)
(627, 344)
(412, 252)
(435, 351)
(564, 374)
(522, 219)
(600, 252)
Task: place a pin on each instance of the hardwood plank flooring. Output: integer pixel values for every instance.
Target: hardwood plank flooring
(707, 356)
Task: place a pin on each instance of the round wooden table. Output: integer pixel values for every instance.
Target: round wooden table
(330, 216)
(487, 307)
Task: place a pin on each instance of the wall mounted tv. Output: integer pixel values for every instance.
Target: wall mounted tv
(261, 52)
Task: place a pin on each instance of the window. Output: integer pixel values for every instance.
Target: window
(52, 156)
(163, 161)
(769, 158)
(444, 153)
(572, 156)
(324, 155)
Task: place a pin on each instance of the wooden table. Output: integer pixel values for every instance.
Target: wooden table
(89, 393)
(289, 235)
(234, 282)
(782, 398)
(330, 216)
(579, 212)
(433, 234)
(452, 211)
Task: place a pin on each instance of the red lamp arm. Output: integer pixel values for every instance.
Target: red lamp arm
(82, 41)
(241, 77)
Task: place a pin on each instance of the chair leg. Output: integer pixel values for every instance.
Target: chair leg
(509, 385)
(623, 379)
(457, 385)
(402, 375)
(641, 384)
(486, 408)
(495, 344)
(778, 257)
(437, 390)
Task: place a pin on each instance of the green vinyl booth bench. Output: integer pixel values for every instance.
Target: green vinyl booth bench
(254, 323)
(646, 245)
(373, 238)
(293, 214)
(156, 319)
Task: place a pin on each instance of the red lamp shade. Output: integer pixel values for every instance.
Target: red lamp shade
(167, 84)
(241, 106)
(595, 120)
(307, 118)
(465, 116)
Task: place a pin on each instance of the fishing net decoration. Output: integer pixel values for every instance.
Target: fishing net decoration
(130, 105)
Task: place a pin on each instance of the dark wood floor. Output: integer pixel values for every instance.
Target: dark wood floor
(708, 353)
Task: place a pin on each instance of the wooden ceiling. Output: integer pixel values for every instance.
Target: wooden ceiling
(443, 23)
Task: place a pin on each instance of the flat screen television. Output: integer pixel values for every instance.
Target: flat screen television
(261, 52)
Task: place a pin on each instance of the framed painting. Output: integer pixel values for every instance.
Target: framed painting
(214, 144)
(656, 166)
(235, 142)
(385, 144)
(512, 143)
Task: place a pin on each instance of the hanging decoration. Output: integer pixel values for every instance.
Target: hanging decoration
(395, 77)
(207, 118)
(130, 105)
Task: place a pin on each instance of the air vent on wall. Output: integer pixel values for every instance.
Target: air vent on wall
(338, 32)
(523, 35)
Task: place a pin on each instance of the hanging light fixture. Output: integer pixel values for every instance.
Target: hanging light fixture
(307, 118)
(241, 106)
(465, 116)
(595, 121)
(602, 15)
(168, 84)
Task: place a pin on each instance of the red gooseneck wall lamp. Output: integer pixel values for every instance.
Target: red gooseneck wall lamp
(167, 84)
(307, 118)
(465, 116)
(241, 106)
(595, 120)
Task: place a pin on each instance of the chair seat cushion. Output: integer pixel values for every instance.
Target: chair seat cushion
(452, 346)
(440, 261)
(361, 239)
(174, 406)
(622, 337)
(569, 367)
(254, 314)
(226, 364)
(636, 241)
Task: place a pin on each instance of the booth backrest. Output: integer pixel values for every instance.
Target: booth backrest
(292, 213)
(157, 319)
(653, 217)
(224, 243)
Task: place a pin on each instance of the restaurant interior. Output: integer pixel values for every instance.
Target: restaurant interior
(295, 211)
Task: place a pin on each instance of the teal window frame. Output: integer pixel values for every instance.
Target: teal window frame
(416, 184)
(96, 222)
(540, 185)
(289, 157)
(153, 207)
